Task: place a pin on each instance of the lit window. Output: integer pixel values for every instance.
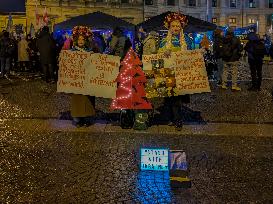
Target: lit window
(232, 3)
(214, 20)
(192, 2)
(251, 21)
(232, 20)
(252, 4)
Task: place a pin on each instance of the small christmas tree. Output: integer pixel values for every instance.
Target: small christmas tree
(131, 80)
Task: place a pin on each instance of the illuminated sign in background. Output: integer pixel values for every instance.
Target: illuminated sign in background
(154, 159)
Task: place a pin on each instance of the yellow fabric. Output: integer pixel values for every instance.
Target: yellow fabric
(81, 106)
(170, 43)
(180, 179)
(22, 51)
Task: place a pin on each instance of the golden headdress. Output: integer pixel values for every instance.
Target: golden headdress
(175, 16)
(81, 31)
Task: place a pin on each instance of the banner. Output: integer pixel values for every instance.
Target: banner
(88, 73)
(182, 73)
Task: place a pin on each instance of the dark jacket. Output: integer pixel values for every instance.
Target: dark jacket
(251, 47)
(7, 47)
(47, 48)
(232, 48)
(218, 46)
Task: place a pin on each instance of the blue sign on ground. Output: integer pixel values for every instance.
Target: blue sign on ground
(154, 159)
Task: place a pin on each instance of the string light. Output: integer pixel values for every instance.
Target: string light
(129, 68)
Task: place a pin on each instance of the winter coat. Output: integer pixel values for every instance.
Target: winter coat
(32, 49)
(149, 46)
(253, 56)
(23, 51)
(46, 47)
(6, 47)
(117, 45)
(218, 46)
(81, 105)
(234, 46)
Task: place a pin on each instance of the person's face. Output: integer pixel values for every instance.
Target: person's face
(81, 41)
(175, 27)
(222, 33)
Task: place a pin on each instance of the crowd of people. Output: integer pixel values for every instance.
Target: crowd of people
(39, 55)
(228, 50)
(20, 53)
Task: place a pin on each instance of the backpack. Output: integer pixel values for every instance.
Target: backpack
(127, 118)
(141, 121)
(259, 49)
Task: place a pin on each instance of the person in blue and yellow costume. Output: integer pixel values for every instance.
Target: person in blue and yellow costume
(174, 42)
(82, 107)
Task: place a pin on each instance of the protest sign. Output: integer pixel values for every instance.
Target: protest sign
(155, 61)
(88, 73)
(181, 73)
(154, 159)
(190, 72)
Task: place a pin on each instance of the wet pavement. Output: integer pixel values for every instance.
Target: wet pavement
(88, 167)
(228, 138)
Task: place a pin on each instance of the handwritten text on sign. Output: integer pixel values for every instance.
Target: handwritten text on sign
(154, 159)
(190, 72)
(189, 67)
(88, 73)
(147, 61)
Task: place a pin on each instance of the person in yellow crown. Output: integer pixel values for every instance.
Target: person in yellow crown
(82, 106)
(174, 42)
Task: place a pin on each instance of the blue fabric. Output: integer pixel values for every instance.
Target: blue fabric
(175, 42)
(253, 37)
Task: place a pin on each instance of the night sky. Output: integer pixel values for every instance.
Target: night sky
(12, 6)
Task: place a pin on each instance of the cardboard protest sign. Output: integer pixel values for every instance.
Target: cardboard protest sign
(190, 72)
(151, 61)
(182, 73)
(88, 73)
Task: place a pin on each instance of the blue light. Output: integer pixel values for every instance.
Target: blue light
(154, 159)
(153, 187)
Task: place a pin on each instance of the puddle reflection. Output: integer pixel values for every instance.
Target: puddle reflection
(153, 187)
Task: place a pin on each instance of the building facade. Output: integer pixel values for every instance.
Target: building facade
(235, 13)
(14, 8)
(61, 10)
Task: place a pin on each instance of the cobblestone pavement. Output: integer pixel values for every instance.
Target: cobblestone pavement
(228, 140)
(53, 166)
(36, 99)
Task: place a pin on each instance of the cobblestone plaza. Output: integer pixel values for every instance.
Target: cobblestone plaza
(228, 138)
